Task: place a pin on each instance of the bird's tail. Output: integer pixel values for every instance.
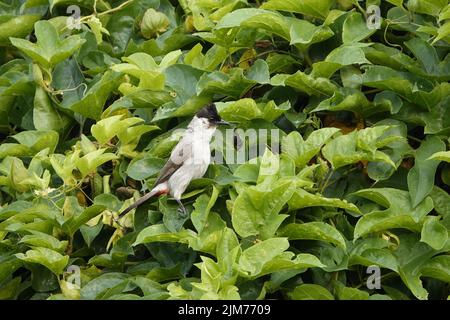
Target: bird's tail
(157, 191)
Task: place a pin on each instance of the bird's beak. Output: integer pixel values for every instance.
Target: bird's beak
(223, 122)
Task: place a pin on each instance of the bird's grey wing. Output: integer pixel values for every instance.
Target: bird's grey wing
(179, 155)
(167, 171)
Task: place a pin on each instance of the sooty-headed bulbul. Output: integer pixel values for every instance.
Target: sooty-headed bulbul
(189, 159)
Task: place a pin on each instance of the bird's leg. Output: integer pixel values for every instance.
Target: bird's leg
(123, 228)
(181, 210)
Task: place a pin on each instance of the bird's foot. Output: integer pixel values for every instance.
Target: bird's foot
(121, 227)
(182, 210)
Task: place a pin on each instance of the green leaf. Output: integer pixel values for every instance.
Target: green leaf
(412, 255)
(184, 81)
(8, 264)
(50, 259)
(38, 140)
(421, 176)
(104, 130)
(431, 7)
(233, 84)
(316, 86)
(39, 239)
(97, 28)
(120, 26)
(17, 26)
(434, 233)
(347, 293)
(309, 291)
(441, 156)
(425, 54)
(303, 199)
(128, 130)
(355, 28)
(89, 233)
(89, 163)
(150, 289)
(348, 55)
(289, 262)
(209, 236)
(256, 209)
(362, 255)
(91, 105)
(445, 14)
(437, 268)
(304, 33)
(359, 145)
(241, 110)
(441, 200)
(172, 219)
(303, 151)
(49, 48)
(227, 251)
(400, 212)
(314, 8)
(10, 289)
(397, 151)
(347, 99)
(257, 18)
(253, 259)
(72, 224)
(144, 168)
(202, 207)
(45, 114)
(209, 61)
(313, 231)
(398, 3)
(100, 285)
(159, 232)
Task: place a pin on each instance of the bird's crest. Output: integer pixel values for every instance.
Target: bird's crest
(209, 112)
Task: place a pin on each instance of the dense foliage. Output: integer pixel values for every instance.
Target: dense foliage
(89, 109)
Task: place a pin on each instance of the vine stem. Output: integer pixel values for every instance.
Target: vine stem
(112, 10)
(120, 7)
(325, 184)
(361, 9)
(307, 58)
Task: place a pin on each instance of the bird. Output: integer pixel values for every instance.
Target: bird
(188, 160)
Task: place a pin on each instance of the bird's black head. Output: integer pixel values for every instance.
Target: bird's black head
(210, 112)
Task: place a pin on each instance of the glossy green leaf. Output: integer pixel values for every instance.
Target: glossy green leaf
(318, 9)
(309, 291)
(313, 231)
(256, 210)
(91, 105)
(50, 259)
(303, 199)
(49, 48)
(17, 26)
(421, 176)
(303, 151)
(39, 239)
(144, 168)
(72, 224)
(434, 233)
(355, 28)
(399, 212)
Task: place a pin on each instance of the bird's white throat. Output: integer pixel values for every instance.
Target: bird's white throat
(201, 129)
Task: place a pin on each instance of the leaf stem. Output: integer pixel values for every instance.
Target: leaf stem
(120, 7)
(95, 14)
(307, 58)
(325, 183)
(361, 9)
